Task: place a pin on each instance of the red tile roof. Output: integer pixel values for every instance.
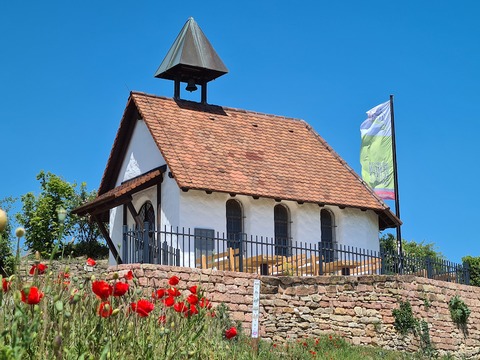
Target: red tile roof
(122, 193)
(221, 149)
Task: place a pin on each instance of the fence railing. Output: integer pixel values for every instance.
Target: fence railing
(205, 248)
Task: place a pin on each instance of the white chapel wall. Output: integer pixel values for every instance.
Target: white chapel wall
(141, 156)
(353, 227)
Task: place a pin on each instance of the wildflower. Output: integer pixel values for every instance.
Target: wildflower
(31, 296)
(19, 232)
(142, 307)
(120, 288)
(231, 333)
(204, 303)
(173, 292)
(129, 275)
(41, 268)
(105, 309)
(169, 301)
(5, 285)
(162, 319)
(193, 289)
(173, 280)
(180, 307)
(91, 262)
(158, 294)
(192, 299)
(3, 220)
(102, 289)
(192, 310)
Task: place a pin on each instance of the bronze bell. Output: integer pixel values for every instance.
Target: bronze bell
(191, 86)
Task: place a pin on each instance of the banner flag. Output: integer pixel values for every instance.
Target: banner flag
(376, 154)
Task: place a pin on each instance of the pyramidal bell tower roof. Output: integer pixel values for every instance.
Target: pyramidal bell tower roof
(191, 59)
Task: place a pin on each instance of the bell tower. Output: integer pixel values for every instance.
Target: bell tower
(191, 60)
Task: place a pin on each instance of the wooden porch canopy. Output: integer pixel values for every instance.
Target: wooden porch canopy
(99, 208)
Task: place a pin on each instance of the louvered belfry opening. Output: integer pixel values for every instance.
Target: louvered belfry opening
(191, 60)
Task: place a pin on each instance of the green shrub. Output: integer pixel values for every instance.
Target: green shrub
(404, 320)
(459, 311)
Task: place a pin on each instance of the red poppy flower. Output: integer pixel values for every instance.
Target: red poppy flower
(129, 275)
(169, 301)
(40, 269)
(192, 299)
(193, 310)
(173, 280)
(5, 285)
(102, 289)
(231, 333)
(180, 307)
(91, 262)
(162, 319)
(159, 294)
(142, 307)
(34, 296)
(120, 288)
(211, 314)
(105, 309)
(204, 303)
(193, 289)
(173, 292)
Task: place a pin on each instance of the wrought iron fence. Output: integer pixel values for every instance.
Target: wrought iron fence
(205, 248)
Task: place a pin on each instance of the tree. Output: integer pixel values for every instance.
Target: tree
(39, 216)
(388, 243)
(87, 233)
(474, 268)
(7, 259)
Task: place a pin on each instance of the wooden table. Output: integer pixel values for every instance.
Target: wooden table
(340, 265)
(262, 263)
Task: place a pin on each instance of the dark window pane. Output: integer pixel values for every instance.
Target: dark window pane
(282, 237)
(234, 223)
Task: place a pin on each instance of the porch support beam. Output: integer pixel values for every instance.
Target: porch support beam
(108, 239)
(134, 213)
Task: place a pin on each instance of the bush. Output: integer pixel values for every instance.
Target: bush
(474, 267)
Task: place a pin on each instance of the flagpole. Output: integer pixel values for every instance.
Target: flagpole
(395, 177)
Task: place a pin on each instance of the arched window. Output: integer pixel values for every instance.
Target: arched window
(327, 239)
(282, 233)
(147, 214)
(234, 218)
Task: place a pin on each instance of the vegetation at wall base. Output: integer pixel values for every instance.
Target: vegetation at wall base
(406, 323)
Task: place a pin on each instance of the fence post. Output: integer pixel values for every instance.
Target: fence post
(125, 245)
(146, 245)
(240, 252)
(428, 263)
(466, 273)
(320, 258)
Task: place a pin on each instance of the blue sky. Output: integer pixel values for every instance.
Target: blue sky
(67, 69)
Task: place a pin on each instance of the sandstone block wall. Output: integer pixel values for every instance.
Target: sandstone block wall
(359, 308)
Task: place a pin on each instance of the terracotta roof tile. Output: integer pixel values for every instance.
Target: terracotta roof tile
(236, 151)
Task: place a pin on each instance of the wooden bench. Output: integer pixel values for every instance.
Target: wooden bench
(227, 260)
(369, 267)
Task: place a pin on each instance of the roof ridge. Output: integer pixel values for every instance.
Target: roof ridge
(223, 107)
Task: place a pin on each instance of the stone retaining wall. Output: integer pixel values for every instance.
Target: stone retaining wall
(76, 267)
(357, 308)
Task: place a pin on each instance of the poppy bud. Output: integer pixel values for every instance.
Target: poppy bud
(115, 276)
(67, 269)
(37, 255)
(19, 232)
(92, 278)
(115, 312)
(3, 220)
